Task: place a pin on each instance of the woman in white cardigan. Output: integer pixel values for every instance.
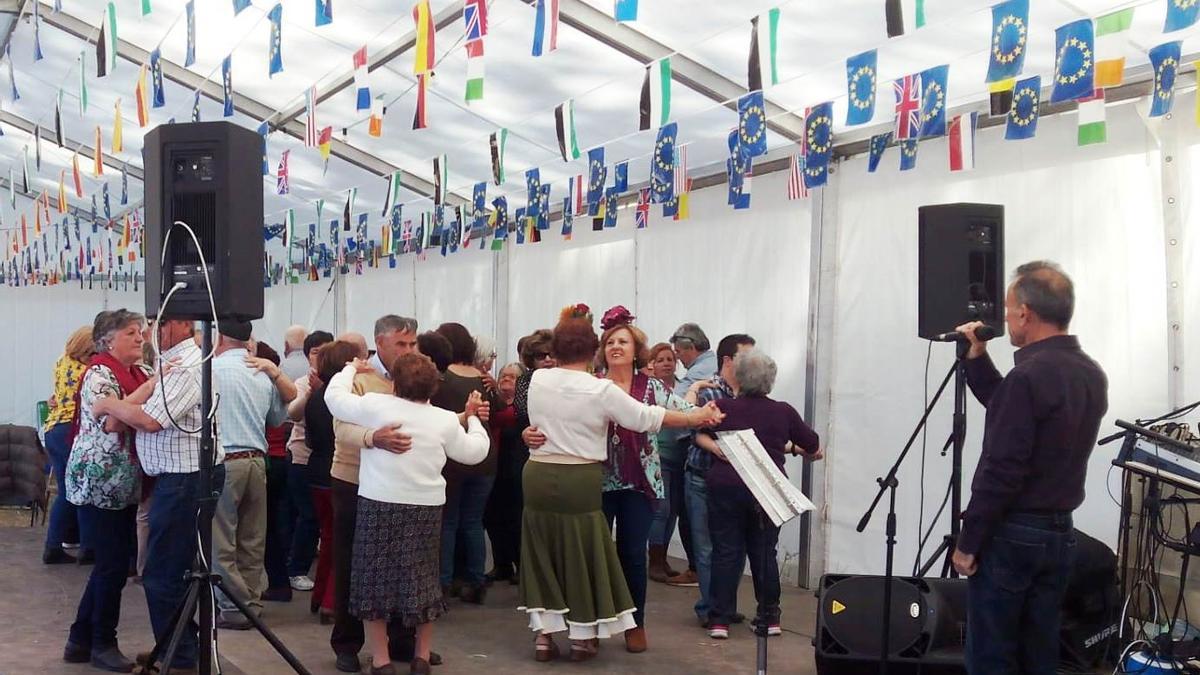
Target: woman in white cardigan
(400, 497)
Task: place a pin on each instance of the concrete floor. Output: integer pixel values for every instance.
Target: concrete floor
(37, 604)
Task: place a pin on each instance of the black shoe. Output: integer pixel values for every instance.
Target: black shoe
(386, 669)
(283, 594)
(348, 663)
(86, 557)
(419, 667)
(112, 660)
(738, 617)
(54, 555)
(238, 623)
(498, 573)
(74, 653)
(473, 594)
(435, 659)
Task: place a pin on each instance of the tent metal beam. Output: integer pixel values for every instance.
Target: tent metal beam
(407, 42)
(11, 7)
(621, 38)
(86, 150)
(247, 106)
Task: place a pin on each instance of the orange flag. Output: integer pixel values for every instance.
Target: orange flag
(98, 169)
(117, 145)
(62, 191)
(143, 101)
(76, 177)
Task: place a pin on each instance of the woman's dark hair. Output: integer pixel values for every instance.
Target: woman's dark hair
(574, 341)
(415, 377)
(532, 346)
(316, 339)
(437, 348)
(333, 358)
(263, 351)
(462, 345)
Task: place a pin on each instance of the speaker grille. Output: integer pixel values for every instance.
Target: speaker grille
(199, 211)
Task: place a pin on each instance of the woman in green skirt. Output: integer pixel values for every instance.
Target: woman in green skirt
(571, 577)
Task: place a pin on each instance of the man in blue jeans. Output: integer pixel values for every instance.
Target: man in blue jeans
(698, 462)
(1017, 544)
(168, 441)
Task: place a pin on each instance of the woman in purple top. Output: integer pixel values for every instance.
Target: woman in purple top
(738, 525)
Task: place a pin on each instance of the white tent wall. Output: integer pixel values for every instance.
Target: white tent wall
(1095, 210)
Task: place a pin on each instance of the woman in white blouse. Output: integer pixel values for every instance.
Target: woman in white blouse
(571, 577)
(400, 496)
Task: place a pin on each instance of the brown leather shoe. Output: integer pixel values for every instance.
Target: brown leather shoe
(659, 570)
(687, 578)
(419, 666)
(635, 640)
(545, 652)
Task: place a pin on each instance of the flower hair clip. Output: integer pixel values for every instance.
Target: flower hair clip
(579, 311)
(616, 316)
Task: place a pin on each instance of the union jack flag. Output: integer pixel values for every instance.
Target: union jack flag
(311, 132)
(908, 107)
(642, 216)
(475, 16)
(281, 184)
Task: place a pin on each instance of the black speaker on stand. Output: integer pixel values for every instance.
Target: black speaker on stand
(206, 176)
(960, 267)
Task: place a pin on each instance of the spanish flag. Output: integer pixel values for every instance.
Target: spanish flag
(424, 54)
(143, 101)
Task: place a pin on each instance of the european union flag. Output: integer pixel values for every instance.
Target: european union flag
(1181, 14)
(156, 79)
(263, 130)
(621, 177)
(227, 84)
(500, 216)
(879, 145)
(597, 175)
(662, 168)
(737, 166)
(568, 217)
(1165, 61)
(1010, 37)
(818, 140)
(533, 187)
(543, 215)
(752, 124)
(519, 220)
(276, 51)
(190, 57)
(908, 154)
(1023, 118)
(1075, 63)
(479, 206)
(933, 101)
(610, 208)
(861, 72)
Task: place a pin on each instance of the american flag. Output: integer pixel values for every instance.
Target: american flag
(796, 189)
(579, 194)
(311, 131)
(642, 217)
(908, 107)
(681, 170)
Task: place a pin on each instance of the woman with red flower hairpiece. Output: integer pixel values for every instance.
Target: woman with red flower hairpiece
(571, 576)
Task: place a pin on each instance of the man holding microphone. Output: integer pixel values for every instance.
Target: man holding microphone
(1016, 546)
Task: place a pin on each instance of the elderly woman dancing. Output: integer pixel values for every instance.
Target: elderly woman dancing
(103, 479)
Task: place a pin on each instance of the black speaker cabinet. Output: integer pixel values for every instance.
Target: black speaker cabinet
(208, 175)
(960, 267)
(928, 623)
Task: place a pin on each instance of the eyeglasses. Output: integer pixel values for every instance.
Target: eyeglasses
(541, 355)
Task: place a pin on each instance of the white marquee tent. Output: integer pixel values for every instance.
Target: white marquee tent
(827, 284)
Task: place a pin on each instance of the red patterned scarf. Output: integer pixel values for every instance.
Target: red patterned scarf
(128, 377)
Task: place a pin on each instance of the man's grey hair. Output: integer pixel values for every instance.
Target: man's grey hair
(485, 348)
(690, 333)
(293, 337)
(108, 324)
(755, 372)
(1045, 288)
(391, 322)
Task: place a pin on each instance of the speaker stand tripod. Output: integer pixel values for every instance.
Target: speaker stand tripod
(888, 484)
(202, 583)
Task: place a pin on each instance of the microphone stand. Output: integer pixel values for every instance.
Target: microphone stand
(889, 483)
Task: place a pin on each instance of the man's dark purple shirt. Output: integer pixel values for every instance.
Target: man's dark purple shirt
(1042, 422)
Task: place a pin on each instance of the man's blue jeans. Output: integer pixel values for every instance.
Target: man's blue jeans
(1015, 598)
(304, 530)
(171, 549)
(464, 512)
(695, 492)
(64, 518)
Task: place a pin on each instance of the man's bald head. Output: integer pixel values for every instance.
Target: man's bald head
(293, 338)
(357, 340)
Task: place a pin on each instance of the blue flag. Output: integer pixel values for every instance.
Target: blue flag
(597, 176)
(908, 154)
(1181, 14)
(621, 177)
(227, 84)
(95, 219)
(324, 12)
(1023, 118)
(533, 192)
(1165, 61)
(625, 10)
(933, 101)
(37, 32)
(190, 58)
(818, 141)
(124, 184)
(239, 5)
(276, 50)
(610, 208)
(1010, 38)
(879, 145)
(543, 215)
(752, 123)
(156, 79)
(737, 167)
(263, 130)
(662, 167)
(519, 221)
(500, 211)
(568, 217)
(861, 74)
(105, 201)
(478, 206)
(1075, 64)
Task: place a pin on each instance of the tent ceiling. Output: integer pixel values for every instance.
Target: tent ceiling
(599, 64)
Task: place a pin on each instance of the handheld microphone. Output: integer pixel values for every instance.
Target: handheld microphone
(982, 333)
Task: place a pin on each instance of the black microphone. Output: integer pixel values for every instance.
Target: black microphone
(982, 333)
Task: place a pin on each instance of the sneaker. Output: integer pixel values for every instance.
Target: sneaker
(773, 630)
(301, 583)
(718, 631)
(70, 547)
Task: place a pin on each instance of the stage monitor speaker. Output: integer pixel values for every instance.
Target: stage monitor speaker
(928, 625)
(208, 175)
(960, 267)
